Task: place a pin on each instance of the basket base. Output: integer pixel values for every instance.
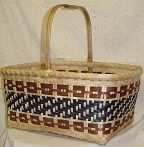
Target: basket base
(103, 139)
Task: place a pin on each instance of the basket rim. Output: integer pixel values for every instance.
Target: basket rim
(128, 71)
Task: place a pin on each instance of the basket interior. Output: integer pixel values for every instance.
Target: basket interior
(82, 67)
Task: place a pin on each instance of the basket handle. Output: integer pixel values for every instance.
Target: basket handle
(48, 32)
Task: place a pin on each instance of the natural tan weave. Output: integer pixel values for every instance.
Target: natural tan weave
(87, 100)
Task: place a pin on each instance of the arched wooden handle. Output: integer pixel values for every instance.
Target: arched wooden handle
(48, 31)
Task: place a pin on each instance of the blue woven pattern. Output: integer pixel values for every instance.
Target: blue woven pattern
(90, 110)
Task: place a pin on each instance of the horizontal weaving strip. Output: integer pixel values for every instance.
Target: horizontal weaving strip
(65, 124)
(80, 109)
(76, 91)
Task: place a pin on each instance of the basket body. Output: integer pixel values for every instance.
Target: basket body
(87, 100)
(70, 101)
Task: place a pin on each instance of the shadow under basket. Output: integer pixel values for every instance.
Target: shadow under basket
(67, 100)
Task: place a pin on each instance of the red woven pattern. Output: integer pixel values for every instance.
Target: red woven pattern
(76, 91)
(92, 128)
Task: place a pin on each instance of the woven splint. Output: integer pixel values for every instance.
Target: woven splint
(87, 100)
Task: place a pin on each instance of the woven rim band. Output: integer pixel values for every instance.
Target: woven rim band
(122, 71)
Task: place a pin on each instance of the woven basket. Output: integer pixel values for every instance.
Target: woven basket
(87, 100)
